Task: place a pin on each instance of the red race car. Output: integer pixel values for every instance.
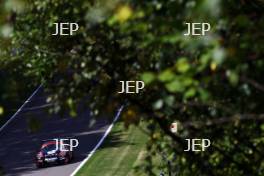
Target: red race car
(53, 151)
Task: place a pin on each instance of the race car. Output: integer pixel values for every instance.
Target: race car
(53, 151)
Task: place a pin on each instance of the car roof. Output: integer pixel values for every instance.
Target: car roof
(51, 142)
(45, 144)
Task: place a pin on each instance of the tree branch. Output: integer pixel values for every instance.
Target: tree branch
(223, 120)
(253, 83)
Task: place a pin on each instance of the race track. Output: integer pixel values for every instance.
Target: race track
(18, 146)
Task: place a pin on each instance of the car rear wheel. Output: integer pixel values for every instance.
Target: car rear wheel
(67, 159)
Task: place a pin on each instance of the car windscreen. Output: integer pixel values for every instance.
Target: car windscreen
(49, 147)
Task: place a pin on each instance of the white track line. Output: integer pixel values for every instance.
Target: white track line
(38, 107)
(99, 143)
(24, 104)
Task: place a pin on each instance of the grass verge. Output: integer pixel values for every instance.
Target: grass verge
(119, 154)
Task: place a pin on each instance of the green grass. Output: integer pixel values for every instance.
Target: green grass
(119, 154)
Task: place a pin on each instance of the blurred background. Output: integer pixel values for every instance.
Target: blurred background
(211, 85)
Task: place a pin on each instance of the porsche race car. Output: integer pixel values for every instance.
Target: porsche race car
(53, 152)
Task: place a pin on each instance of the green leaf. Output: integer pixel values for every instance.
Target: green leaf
(175, 86)
(73, 113)
(15, 5)
(187, 81)
(204, 60)
(232, 77)
(166, 75)
(190, 93)
(174, 38)
(182, 65)
(1, 110)
(204, 95)
(148, 77)
(262, 127)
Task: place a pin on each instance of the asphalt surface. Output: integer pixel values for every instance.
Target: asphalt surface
(18, 146)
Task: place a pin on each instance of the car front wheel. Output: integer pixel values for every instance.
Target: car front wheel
(67, 160)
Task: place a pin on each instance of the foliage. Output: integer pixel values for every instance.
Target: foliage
(212, 85)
